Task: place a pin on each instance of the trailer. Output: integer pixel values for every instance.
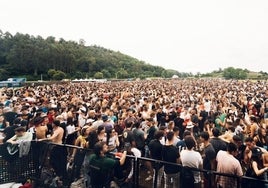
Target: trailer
(13, 82)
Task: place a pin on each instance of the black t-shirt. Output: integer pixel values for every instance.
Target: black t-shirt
(139, 138)
(150, 136)
(210, 154)
(170, 154)
(156, 148)
(128, 136)
(9, 132)
(218, 144)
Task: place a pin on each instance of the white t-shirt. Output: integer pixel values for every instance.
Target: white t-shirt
(192, 159)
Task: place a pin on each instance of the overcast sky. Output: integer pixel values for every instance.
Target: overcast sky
(184, 35)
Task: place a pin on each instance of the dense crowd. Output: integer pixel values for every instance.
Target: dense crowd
(211, 124)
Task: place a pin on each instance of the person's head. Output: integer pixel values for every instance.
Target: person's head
(261, 132)
(237, 140)
(232, 148)
(101, 129)
(37, 121)
(104, 118)
(159, 134)
(84, 130)
(56, 123)
(187, 133)
(19, 131)
(189, 142)
(170, 125)
(100, 148)
(253, 119)
(256, 154)
(250, 143)
(215, 132)
(150, 121)
(176, 131)
(170, 136)
(137, 125)
(204, 136)
(129, 124)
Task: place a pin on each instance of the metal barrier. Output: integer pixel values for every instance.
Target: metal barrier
(33, 165)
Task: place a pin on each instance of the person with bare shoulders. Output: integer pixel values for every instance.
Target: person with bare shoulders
(40, 129)
(58, 153)
(57, 134)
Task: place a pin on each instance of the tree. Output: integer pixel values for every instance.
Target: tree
(51, 72)
(59, 75)
(232, 73)
(98, 75)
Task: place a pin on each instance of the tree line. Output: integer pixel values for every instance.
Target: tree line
(30, 57)
(24, 55)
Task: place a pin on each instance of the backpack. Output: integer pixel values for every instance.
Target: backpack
(187, 177)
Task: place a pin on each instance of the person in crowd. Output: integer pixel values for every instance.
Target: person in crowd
(3, 123)
(139, 136)
(112, 140)
(227, 163)
(220, 121)
(191, 158)
(256, 169)
(101, 166)
(170, 154)
(102, 136)
(78, 154)
(250, 143)
(254, 126)
(181, 144)
(217, 143)
(261, 138)
(209, 157)
(150, 136)
(156, 148)
(20, 135)
(58, 153)
(241, 148)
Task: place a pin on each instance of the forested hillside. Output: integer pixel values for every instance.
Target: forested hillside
(30, 56)
(23, 55)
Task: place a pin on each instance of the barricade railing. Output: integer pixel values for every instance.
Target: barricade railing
(32, 165)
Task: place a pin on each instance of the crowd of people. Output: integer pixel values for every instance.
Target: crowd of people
(210, 124)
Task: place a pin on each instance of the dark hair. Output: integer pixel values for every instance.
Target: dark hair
(158, 134)
(20, 129)
(92, 139)
(129, 124)
(237, 138)
(137, 124)
(170, 135)
(256, 154)
(56, 122)
(249, 139)
(175, 129)
(231, 147)
(189, 142)
(69, 120)
(204, 135)
(98, 148)
(186, 133)
(231, 128)
(162, 128)
(216, 132)
(100, 128)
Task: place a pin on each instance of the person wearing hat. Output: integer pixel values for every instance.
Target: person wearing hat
(20, 135)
